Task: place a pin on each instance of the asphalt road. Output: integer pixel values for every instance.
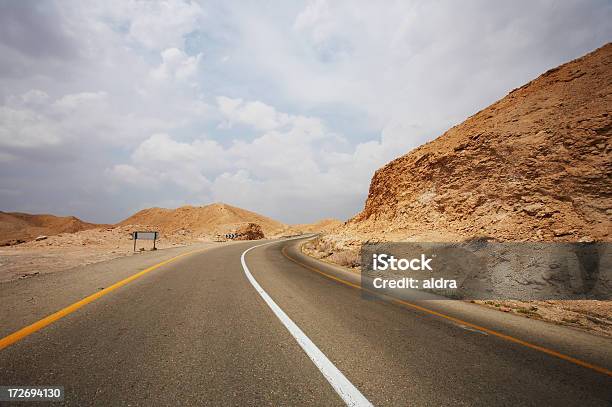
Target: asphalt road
(196, 332)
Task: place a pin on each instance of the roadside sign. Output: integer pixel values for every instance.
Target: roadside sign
(145, 235)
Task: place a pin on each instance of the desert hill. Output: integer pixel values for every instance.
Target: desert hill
(21, 227)
(535, 165)
(187, 223)
(209, 220)
(323, 225)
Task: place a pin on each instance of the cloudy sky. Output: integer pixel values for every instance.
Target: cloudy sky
(284, 108)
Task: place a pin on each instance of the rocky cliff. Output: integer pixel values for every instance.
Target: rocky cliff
(535, 165)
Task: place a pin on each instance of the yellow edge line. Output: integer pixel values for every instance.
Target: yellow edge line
(36, 326)
(542, 349)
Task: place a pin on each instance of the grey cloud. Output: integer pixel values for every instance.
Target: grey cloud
(35, 29)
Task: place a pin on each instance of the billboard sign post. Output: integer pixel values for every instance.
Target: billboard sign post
(145, 235)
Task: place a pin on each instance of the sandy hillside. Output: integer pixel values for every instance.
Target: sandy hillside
(15, 227)
(534, 166)
(202, 221)
(321, 226)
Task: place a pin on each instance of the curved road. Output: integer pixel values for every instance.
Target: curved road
(196, 332)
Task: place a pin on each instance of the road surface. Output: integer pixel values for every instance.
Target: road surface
(196, 331)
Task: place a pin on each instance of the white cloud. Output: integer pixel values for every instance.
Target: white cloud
(264, 117)
(27, 129)
(256, 114)
(176, 65)
(156, 25)
(170, 162)
(161, 150)
(316, 17)
(128, 174)
(33, 120)
(84, 100)
(162, 24)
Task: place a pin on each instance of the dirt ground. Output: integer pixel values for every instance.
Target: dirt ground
(67, 250)
(589, 315)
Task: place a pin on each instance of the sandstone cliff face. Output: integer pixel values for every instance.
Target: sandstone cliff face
(536, 165)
